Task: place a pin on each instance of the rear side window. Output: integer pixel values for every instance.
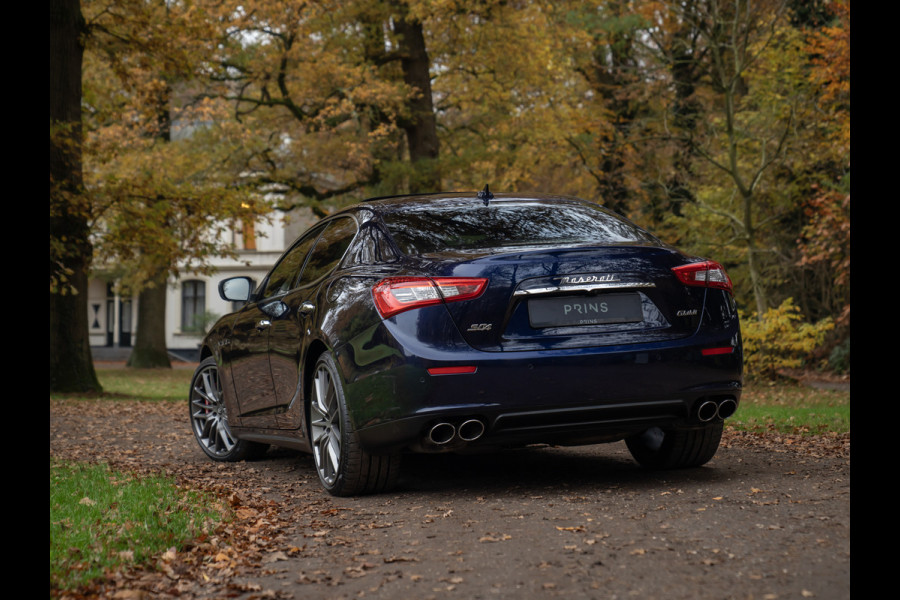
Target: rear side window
(284, 275)
(471, 226)
(329, 250)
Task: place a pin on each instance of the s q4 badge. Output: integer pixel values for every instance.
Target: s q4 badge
(479, 327)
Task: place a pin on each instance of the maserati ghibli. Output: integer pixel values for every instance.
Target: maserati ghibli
(470, 322)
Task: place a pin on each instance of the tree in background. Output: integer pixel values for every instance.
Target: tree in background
(825, 237)
(163, 166)
(748, 108)
(71, 368)
(323, 89)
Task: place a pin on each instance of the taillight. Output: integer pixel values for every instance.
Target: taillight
(397, 294)
(704, 274)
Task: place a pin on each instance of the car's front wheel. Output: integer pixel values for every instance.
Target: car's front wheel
(658, 448)
(344, 468)
(209, 418)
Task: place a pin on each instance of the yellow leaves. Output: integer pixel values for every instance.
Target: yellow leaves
(780, 339)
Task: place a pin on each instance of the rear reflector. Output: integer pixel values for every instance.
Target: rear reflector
(397, 294)
(714, 351)
(451, 370)
(704, 274)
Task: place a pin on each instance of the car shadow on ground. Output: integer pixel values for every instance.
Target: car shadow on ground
(531, 470)
(582, 468)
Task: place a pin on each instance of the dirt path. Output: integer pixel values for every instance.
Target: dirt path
(768, 518)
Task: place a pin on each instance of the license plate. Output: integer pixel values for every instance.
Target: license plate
(585, 310)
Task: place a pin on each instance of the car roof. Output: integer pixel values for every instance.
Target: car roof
(448, 199)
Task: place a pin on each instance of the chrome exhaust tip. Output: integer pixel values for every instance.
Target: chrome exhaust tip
(707, 411)
(726, 408)
(471, 430)
(441, 434)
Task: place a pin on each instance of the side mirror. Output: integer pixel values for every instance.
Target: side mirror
(235, 289)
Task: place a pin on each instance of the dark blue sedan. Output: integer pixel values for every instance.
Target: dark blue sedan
(443, 322)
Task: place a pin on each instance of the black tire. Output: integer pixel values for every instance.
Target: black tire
(658, 448)
(209, 418)
(344, 468)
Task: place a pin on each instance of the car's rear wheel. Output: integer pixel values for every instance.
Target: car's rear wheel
(344, 468)
(658, 448)
(209, 418)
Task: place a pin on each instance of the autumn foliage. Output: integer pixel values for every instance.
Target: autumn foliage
(780, 339)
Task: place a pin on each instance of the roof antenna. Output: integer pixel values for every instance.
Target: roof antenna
(485, 195)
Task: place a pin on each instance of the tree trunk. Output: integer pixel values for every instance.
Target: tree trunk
(71, 366)
(149, 350)
(421, 127)
(759, 293)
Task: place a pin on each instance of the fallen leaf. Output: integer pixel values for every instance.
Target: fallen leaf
(275, 557)
(393, 559)
(490, 538)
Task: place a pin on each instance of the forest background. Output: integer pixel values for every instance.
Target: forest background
(723, 126)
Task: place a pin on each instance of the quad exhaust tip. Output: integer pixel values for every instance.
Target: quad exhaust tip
(443, 433)
(707, 411)
(727, 408)
(471, 430)
(722, 409)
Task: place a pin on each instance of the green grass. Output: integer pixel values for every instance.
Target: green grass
(792, 408)
(147, 384)
(143, 384)
(102, 519)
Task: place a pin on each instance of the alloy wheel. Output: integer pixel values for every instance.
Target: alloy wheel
(209, 415)
(325, 427)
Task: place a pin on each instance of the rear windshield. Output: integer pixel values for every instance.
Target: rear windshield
(473, 226)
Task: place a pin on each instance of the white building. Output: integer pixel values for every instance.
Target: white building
(192, 302)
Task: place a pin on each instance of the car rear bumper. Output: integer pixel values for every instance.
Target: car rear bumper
(581, 395)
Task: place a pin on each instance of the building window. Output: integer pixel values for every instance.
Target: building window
(193, 305)
(248, 233)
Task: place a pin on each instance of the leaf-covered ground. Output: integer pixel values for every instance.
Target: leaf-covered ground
(767, 518)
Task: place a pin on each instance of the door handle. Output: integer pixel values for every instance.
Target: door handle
(263, 324)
